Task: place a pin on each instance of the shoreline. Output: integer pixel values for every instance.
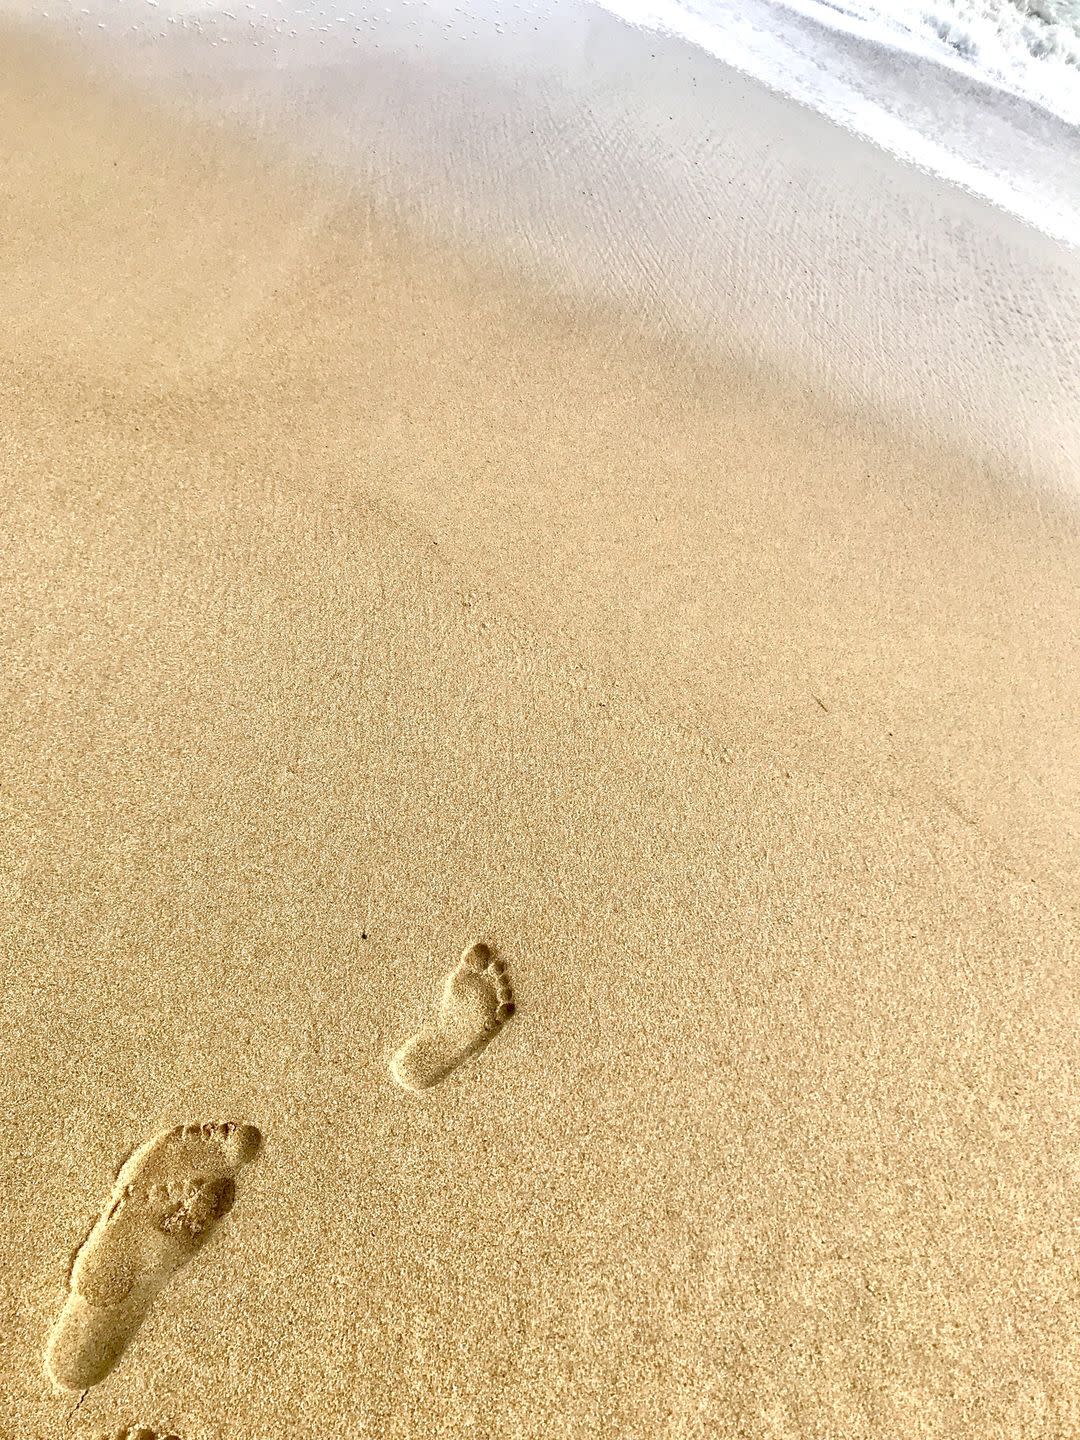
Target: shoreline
(612, 166)
(925, 107)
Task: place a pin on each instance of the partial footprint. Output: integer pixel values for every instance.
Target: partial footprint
(139, 1432)
(166, 1202)
(476, 1000)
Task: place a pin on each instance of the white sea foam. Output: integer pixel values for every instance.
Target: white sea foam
(985, 93)
(1026, 48)
(1030, 48)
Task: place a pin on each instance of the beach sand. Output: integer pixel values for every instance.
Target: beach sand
(363, 601)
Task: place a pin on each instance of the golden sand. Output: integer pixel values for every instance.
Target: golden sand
(360, 606)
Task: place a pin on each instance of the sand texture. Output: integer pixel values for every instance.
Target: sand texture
(585, 831)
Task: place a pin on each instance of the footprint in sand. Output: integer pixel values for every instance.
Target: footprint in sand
(476, 1000)
(167, 1201)
(139, 1432)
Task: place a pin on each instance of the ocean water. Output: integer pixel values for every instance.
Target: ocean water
(1030, 48)
(1026, 48)
(984, 93)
